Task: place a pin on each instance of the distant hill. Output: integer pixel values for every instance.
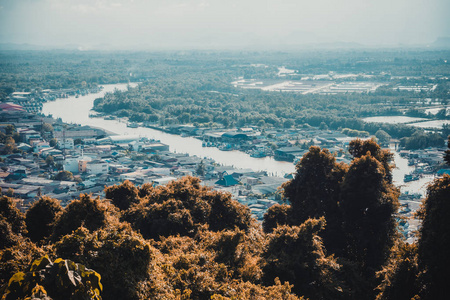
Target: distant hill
(442, 42)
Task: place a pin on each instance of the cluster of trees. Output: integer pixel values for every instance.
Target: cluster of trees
(336, 238)
(421, 140)
(202, 95)
(9, 138)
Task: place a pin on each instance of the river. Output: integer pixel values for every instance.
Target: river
(77, 110)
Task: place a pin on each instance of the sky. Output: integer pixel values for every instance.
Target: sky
(222, 24)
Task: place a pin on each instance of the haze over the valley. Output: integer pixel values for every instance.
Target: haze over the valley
(213, 24)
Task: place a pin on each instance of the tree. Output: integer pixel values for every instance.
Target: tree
(434, 241)
(123, 195)
(382, 136)
(10, 129)
(182, 206)
(46, 127)
(288, 123)
(368, 204)
(314, 191)
(358, 148)
(50, 161)
(119, 254)
(399, 275)
(323, 126)
(447, 152)
(53, 142)
(64, 176)
(201, 169)
(40, 218)
(276, 215)
(86, 211)
(12, 215)
(10, 146)
(296, 254)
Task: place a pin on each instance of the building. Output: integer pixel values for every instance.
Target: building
(97, 167)
(234, 137)
(77, 132)
(67, 143)
(227, 180)
(289, 153)
(119, 139)
(82, 164)
(27, 134)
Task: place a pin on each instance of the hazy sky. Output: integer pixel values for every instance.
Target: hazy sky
(204, 24)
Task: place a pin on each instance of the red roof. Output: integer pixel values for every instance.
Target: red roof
(11, 107)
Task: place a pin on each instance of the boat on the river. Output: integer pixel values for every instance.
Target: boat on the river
(258, 154)
(411, 177)
(133, 125)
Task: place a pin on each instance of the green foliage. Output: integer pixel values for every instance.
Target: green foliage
(123, 195)
(447, 152)
(46, 127)
(358, 148)
(354, 133)
(12, 215)
(50, 161)
(40, 218)
(382, 136)
(399, 276)
(314, 191)
(16, 257)
(276, 215)
(116, 252)
(434, 240)
(64, 176)
(91, 213)
(296, 254)
(358, 203)
(53, 143)
(181, 206)
(422, 140)
(201, 169)
(368, 205)
(61, 279)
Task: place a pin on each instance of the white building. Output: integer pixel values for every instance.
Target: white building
(97, 167)
(66, 144)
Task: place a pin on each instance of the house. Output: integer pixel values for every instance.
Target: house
(39, 145)
(97, 167)
(27, 134)
(87, 184)
(154, 147)
(77, 132)
(24, 147)
(71, 164)
(82, 164)
(67, 143)
(234, 137)
(289, 153)
(227, 180)
(11, 107)
(17, 175)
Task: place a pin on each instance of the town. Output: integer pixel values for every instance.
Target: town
(48, 157)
